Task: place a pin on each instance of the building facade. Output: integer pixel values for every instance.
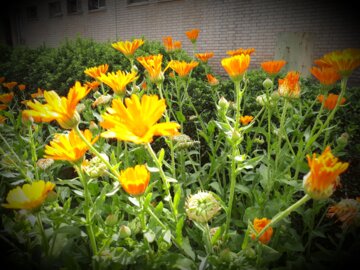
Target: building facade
(298, 31)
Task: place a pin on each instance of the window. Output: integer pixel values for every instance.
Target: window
(136, 1)
(55, 9)
(96, 4)
(73, 6)
(31, 13)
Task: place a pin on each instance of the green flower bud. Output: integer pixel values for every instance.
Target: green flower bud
(202, 206)
(124, 231)
(267, 83)
(111, 220)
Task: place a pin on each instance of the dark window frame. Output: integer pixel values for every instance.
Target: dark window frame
(53, 13)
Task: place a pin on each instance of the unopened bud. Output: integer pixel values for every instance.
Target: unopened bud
(267, 83)
(80, 107)
(124, 231)
(223, 104)
(111, 220)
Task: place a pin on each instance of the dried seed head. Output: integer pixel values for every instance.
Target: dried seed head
(202, 206)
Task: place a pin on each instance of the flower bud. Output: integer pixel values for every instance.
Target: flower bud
(124, 231)
(267, 83)
(343, 139)
(80, 107)
(111, 220)
(223, 104)
(95, 167)
(202, 206)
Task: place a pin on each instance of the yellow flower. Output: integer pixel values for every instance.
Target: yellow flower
(192, 35)
(128, 48)
(152, 64)
(246, 119)
(204, 57)
(289, 86)
(137, 122)
(273, 67)
(259, 224)
(134, 180)
(69, 146)
(61, 109)
(96, 72)
(324, 173)
(7, 98)
(241, 51)
(10, 85)
(182, 68)
(236, 66)
(119, 80)
(29, 196)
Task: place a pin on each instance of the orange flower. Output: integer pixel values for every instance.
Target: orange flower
(3, 107)
(324, 173)
(236, 66)
(204, 57)
(29, 196)
(344, 61)
(143, 85)
(137, 122)
(330, 101)
(171, 45)
(152, 64)
(240, 51)
(326, 75)
(212, 80)
(259, 224)
(289, 86)
(10, 85)
(347, 211)
(92, 85)
(273, 67)
(119, 80)
(177, 45)
(61, 109)
(38, 94)
(7, 98)
(69, 146)
(96, 72)
(22, 87)
(246, 119)
(134, 180)
(192, 35)
(182, 68)
(128, 48)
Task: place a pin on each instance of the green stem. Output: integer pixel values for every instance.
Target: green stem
(281, 132)
(33, 153)
(44, 240)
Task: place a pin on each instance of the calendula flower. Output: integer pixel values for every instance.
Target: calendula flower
(6, 98)
(273, 67)
(182, 68)
(29, 196)
(137, 121)
(259, 224)
(143, 85)
(327, 76)
(96, 72)
(92, 85)
(241, 51)
(177, 45)
(202, 206)
(204, 57)
(69, 146)
(3, 107)
(324, 173)
(212, 80)
(289, 86)
(192, 35)
(236, 66)
(134, 180)
(119, 80)
(61, 109)
(152, 64)
(10, 85)
(128, 48)
(22, 87)
(103, 99)
(330, 101)
(171, 45)
(38, 94)
(345, 61)
(246, 119)
(347, 211)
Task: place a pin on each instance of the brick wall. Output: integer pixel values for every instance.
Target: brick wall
(224, 24)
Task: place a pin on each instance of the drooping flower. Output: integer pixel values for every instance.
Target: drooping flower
(152, 64)
(202, 206)
(204, 57)
(10, 85)
(236, 66)
(61, 109)
(212, 80)
(119, 80)
(330, 101)
(38, 94)
(289, 86)
(327, 76)
(345, 61)
(96, 72)
(182, 68)
(29, 196)
(346, 211)
(324, 173)
(273, 67)
(69, 146)
(241, 51)
(6, 98)
(246, 119)
(171, 45)
(192, 35)
(134, 180)
(22, 87)
(137, 121)
(259, 224)
(128, 48)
